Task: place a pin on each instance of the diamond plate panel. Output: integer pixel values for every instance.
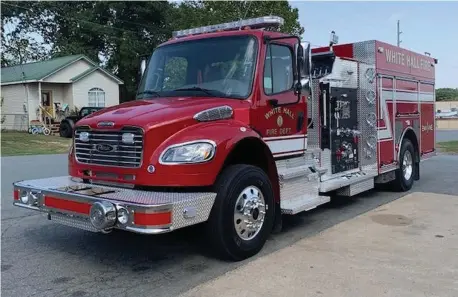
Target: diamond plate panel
(364, 52)
(313, 134)
(121, 194)
(356, 188)
(310, 158)
(200, 204)
(203, 206)
(297, 181)
(74, 222)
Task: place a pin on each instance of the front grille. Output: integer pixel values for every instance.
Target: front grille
(119, 155)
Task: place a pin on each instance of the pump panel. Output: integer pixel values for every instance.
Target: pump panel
(343, 125)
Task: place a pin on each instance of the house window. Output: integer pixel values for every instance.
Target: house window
(96, 97)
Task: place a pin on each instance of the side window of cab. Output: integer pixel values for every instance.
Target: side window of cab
(278, 69)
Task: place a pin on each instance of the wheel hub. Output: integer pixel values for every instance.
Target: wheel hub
(249, 212)
(407, 167)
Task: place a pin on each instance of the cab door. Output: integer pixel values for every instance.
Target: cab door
(280, 116)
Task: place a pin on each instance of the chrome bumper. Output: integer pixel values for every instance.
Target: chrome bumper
(98, 208)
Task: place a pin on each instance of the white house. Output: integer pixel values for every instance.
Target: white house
(36, 91)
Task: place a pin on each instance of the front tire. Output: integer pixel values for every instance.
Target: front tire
(242, 216)
(405, 174)
(65, 130)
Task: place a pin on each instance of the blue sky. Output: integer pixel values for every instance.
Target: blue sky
(427, 27)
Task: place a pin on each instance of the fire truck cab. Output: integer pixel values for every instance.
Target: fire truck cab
(236, 125)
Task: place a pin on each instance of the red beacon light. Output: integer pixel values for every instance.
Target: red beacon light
(254, 23)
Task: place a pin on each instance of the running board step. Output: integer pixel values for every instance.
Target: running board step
(295, 172)
(356, 188)
(353, 179)
(302, 203)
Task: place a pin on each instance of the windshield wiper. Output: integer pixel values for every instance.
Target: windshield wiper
(149, 92)
(206, 91)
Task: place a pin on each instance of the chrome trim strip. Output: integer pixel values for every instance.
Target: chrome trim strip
(20, 204)
(149, 231)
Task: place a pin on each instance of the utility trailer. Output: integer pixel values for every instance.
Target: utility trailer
(236, 125)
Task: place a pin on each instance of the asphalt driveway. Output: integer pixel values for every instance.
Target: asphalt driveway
(41, 258)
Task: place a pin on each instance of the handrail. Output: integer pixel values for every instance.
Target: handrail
(47, 115)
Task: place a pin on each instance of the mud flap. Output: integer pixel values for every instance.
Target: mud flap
(278, 220)
(417, 171)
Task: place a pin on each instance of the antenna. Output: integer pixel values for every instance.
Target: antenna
(333, 39)
(399, 34)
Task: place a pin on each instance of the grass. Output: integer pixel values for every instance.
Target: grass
(448, 146)
(23, 143)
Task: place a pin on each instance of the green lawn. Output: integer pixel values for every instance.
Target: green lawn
(448, 146)
(23, 143)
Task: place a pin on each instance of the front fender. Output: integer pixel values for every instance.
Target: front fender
(226, 134)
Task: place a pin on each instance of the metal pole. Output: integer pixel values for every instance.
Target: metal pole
(399, 34)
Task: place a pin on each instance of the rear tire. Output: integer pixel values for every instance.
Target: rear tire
(237, 228)
(405, 174)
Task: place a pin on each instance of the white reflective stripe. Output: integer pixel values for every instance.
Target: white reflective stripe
(385, 132)
(284, 137)
(287, 145)
(407, 96)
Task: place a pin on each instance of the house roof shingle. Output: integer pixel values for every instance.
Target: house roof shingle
(38, 70)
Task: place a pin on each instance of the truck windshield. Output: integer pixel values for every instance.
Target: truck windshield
(215, 67)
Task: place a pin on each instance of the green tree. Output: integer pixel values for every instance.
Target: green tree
(190, 13)
(116, 33)
(447, 94)
(17, 46)
(113, 34)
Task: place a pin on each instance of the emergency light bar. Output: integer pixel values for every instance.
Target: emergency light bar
(254, 23)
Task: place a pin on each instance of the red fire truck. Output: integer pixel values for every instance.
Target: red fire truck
(236, 125)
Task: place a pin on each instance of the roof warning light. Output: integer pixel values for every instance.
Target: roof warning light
(254, 23)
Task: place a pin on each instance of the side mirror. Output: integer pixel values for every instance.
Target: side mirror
(299, 60)
(142, 68)
(307, 62)
(305, 83)
(303, 65)
(142, 65)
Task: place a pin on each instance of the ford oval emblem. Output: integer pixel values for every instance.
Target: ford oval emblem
(105, 124)
(104, 148)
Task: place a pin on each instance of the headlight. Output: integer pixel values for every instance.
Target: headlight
(195, 152)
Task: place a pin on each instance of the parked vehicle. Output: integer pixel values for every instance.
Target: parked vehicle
(235, 126)
(68, 124)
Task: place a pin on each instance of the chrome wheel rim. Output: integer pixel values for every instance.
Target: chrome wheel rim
(407, 167)
(249, 213)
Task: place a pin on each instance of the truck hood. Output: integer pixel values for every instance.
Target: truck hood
(158, 111)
